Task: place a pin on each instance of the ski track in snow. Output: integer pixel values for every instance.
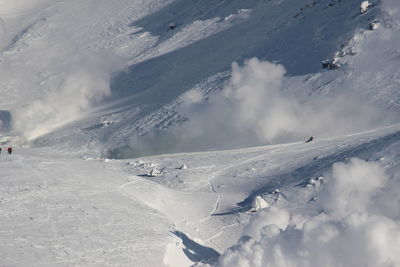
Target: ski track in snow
(214, 231)
(62, 204)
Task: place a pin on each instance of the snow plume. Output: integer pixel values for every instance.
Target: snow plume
(356, 227)
(251, 105)
(82, 84)
(257, 106)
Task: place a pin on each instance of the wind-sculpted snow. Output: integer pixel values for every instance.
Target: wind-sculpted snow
(359, 225)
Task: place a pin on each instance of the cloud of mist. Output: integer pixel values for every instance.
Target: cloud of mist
(256, 108)
(255, 104)
(48, 79)
(81, 84)
(357, 227)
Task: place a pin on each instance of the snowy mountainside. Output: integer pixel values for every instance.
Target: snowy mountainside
(161, 63)
(171, 133)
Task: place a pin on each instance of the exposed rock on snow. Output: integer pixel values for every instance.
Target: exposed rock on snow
(183, 167)
(315, 182)
(373, 25)
(60, 68)
(364, 7)
(172, 26)
(330, 64)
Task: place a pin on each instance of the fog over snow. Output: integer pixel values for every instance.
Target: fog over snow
(173, 133)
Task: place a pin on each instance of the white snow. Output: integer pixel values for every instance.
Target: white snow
(258, 204)
(216, 111)
(355, 221)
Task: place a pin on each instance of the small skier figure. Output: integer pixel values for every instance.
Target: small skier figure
(9, 149)
(0, 150)
(309, 139)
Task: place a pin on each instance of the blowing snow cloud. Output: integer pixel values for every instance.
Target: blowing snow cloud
(79, 88)
(357, 227)
(257, 107)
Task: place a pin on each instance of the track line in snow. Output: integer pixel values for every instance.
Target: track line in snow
(237, 165)
(128, 183)
(214, 210)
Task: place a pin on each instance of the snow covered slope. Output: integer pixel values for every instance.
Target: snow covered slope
(65, 54)
(90, 87)
(60, 209)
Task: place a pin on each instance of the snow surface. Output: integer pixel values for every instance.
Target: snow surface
(140, 145)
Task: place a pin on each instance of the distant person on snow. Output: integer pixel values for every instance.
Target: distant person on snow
(0, 150)
(309, 139)
(9, 149)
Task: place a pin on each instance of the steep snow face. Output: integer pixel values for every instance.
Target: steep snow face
(57, 58)
(271, 29)
(324, 104)
(162, 63)
(261, 105)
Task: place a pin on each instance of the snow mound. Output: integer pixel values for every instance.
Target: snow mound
(258, 204)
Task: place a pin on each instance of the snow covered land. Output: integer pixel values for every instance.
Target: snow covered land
(172, 133)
